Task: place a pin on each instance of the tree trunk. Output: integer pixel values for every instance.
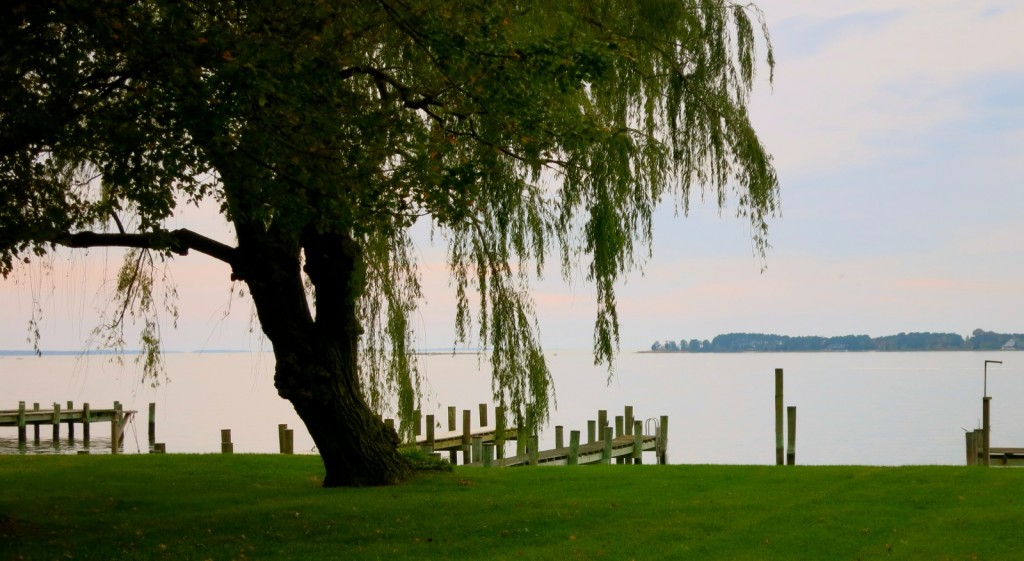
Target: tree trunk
(356, 446)
(316, 359)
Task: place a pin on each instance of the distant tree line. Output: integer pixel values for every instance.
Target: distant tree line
(978, 340)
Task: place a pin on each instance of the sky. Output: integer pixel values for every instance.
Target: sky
(897, 129)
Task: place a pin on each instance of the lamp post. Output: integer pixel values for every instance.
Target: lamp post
(987, 362)
(986, 417)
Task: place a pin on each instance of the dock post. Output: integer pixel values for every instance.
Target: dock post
(602, 422)
(559, 436)
(574, 448)
(430, 433)
(451, 419)
(467, 429)
(22, 428)
(478, 448)
(972, 448)
(628, 414)
(226, 447)
(160, 448)
(289, 441)
(619, 431)
(499, 431)
(979, 437)
(86, 422)
(986, 450)
(35, 425)
(483, 415)
(791, 435)
(71, 423)
(417, 424)
(152, 422)
(663, 440)
(778, 417)
(281, 428)
(522, 435)
(488, 459)
(115, 430)
(534, 450)
(606, 454)
(638, 442)
(56, 424)
(591, 431)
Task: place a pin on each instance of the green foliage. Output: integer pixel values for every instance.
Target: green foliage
(520, 131)
(424, 461)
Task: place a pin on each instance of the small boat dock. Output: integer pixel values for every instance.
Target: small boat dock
(55, 416)
(625, 443)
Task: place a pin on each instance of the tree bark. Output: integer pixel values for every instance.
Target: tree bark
(316, 358)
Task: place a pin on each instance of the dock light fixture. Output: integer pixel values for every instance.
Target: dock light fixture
(985, 391)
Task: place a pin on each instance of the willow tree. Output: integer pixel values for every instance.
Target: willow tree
(521, 130)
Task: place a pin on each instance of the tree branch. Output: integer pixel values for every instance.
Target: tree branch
(176, 241)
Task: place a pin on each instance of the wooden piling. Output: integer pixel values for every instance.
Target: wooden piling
(467, 456)
(281, 444)
(152, 422)
(606, 454)
(499, 431)
(86, 422)
(417, 421)
(483, 415)
(478, 448)
(451, 419)
(638, 442)
(430, 432)
(115, 429)
(56, 424)
(591, 431)
(488, 459)
(226, 446)
(289, 441)
(663, 440)
(628, 414)
(574, 448)
(559, 436)
(602, 422)
(22, 427)
(619, 431)
(979, 436)
(534, 450)
(71, 423)
(986, 445)
(778, 417)
(972, 447)
(159, 448)
(791, 435)
(35, 426)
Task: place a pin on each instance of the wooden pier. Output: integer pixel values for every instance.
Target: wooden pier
(626, 447)
(485, 446)
(23, 417)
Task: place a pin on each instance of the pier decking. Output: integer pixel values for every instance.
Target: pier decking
(625, 443)
(23, 417)
(620, 448)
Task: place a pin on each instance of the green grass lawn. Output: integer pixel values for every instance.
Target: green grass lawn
(272, 507)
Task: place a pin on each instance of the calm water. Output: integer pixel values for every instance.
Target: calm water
(852, 408)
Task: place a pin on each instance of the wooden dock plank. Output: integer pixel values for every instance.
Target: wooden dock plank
(454, 441)
(9, 418)
(588, 453)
